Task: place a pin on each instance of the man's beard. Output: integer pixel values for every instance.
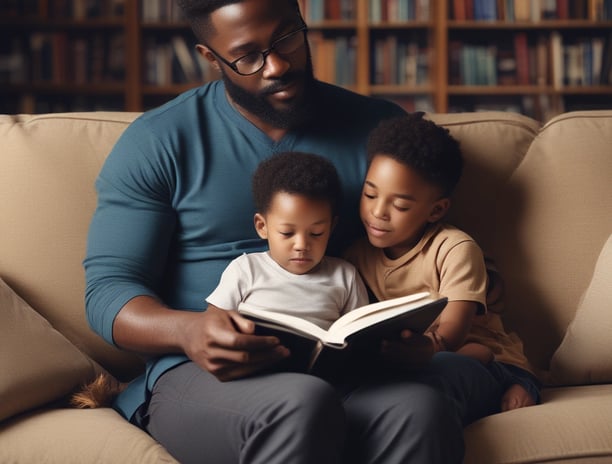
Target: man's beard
(298, 111)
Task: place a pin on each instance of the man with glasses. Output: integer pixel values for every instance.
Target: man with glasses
(175, 206)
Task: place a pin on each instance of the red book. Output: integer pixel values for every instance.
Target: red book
(522, 58)
(469, 9)
(563, 9)
(459, 10)
(333, 9)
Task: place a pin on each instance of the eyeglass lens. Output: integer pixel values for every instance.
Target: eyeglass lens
(253, 62)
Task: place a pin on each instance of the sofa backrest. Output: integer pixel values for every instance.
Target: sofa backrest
(552, 221)
(538, 200)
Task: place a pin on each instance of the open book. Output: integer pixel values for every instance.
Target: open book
(356, 333)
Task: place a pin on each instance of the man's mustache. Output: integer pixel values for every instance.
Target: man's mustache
(281, 83)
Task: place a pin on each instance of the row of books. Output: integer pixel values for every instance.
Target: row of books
(172, 61)
(328, 10)
(399, 61)
(524, 61)
(334, 58)
(378, 10)
(581, 62)
(62, 9)
(399, 10)
(60, 58)
(530, 10)
(56, 57)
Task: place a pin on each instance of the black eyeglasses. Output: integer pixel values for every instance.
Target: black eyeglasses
(254, 61)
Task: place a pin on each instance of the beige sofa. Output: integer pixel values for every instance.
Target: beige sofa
(538, 199)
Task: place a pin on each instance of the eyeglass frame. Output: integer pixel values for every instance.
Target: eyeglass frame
(264, 53)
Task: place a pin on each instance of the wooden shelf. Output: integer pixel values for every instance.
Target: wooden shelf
(402, 89)
(405, 25)
(545, 24)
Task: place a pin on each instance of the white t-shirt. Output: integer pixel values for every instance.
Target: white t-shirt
(331, 289)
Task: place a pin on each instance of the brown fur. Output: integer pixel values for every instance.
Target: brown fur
(99, 393)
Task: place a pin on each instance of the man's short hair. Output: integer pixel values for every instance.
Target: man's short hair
(306, 174)
(422, 145)
(198, 12)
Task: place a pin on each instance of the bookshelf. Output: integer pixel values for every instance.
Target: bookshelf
(53, 52)
(535, 57)
(538, 57)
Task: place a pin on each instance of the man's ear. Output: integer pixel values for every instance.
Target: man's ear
(209, 56)
(260, 226)
(439, 209)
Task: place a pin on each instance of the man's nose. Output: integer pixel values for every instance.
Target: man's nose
(275, 65)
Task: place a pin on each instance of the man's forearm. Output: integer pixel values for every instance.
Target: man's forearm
(147, 326)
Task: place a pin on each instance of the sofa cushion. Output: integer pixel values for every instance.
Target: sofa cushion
(37, 363)
(493, 145)
(572, 425)
(551, 220)
(48, 165)
(584, 354)
(77, 436)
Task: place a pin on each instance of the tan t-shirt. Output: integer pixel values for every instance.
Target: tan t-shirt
(448, 261)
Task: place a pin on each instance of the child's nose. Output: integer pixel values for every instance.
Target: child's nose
(301, 242)
(379, 210)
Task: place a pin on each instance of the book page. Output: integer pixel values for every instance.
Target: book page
(298, 324)
(350, 323)
(385, 305)
(337, 333)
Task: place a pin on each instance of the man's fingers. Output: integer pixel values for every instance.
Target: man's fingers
(244, 363)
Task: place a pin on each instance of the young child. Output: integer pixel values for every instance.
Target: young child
(414, 166)
(296, 198)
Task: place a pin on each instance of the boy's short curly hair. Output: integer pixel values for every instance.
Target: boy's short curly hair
(198, 12)
(422, 145)
(298, 173)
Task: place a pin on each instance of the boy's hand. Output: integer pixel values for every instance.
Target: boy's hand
(411, 351)
(223, 343)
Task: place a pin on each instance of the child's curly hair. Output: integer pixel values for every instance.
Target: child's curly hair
(422, 145)
(305, 174)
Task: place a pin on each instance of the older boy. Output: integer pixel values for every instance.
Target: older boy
(414, 166)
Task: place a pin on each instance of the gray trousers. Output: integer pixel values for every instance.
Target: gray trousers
(293, 418)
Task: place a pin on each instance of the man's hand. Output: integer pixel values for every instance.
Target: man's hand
(223, 343)
(411, 351)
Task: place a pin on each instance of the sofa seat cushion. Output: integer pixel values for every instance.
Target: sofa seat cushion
(76, 436)
(571, 425)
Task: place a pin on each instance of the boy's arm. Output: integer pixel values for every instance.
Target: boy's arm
(463, 279)
(453, 326)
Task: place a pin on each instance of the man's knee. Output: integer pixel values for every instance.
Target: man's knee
(310, 399)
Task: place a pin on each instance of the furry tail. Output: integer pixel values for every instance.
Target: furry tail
(99, 393)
